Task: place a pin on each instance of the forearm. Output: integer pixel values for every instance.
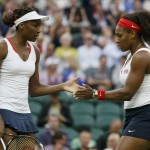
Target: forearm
(117, 95)
(41, 90)
(83, 13)
(71, 17)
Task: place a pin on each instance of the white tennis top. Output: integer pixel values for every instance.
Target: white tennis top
(14, 79)
(142, 96)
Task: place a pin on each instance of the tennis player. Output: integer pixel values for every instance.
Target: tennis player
(19, 75)
(132, 32)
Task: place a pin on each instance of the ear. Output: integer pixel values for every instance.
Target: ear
(21, 26)
(133, 34)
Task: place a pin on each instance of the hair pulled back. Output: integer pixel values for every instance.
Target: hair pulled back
(10, 16)
(142, 18)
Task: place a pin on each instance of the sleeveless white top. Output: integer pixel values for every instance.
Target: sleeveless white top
(14, 80)
(142, 95)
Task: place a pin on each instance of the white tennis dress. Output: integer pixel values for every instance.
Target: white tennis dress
(14, 79)
(142, 96)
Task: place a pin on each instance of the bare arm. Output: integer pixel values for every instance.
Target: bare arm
(3, 54)
(139, 66)
(83, 13)
(3, 51)
(55, 27)
(134, 80)
(37, 89)
(72, 15)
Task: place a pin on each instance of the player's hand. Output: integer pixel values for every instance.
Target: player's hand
(72, 86)
(84, 93)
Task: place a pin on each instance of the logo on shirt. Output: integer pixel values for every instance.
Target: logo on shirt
(131, 131)
(124, 71)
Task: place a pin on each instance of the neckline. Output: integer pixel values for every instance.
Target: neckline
(16, 51)
(131, 56)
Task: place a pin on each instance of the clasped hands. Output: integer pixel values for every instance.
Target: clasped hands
(84, 91)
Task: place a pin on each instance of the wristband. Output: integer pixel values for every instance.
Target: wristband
(101, 95)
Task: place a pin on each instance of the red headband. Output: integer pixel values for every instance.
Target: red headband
(129, 25)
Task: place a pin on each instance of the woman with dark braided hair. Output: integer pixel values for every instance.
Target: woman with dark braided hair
(19, 75)
(132, 33)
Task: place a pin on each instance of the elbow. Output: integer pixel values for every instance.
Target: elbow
(128, 96)
(32, 93)
(33, 90)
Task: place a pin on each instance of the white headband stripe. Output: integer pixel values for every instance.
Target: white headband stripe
(30, 16)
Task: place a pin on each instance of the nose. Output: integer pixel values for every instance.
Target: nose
(39, 29)
(116, 40)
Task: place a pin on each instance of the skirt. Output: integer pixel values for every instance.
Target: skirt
(20, 123)
(137, 122)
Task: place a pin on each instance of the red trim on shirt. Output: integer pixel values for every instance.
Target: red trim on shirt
(11, 44)
(14, 47)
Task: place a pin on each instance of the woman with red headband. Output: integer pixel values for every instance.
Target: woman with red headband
(132, 32)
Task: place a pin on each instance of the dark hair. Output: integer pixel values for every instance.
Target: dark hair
(102, 56)
(85, 129)
(142, 18)
(58, 136)
(10, 16)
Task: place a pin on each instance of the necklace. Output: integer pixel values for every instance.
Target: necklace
(138, 47)
(132, 54)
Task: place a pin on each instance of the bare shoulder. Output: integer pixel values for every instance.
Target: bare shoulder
(3, 49)
(141, 60)
(142, 56)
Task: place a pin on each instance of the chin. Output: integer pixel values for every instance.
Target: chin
(32, 40)
(123, 50)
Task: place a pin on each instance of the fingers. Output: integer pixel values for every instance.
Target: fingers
(80, 94)
(80, 91)
(83, 94)
(80, 86)
(75, 79)
(86, 86)
(79, 97)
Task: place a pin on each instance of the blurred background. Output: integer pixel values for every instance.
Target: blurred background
(77, 40)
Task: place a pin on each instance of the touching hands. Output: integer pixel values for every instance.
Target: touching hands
(86, 92)
(79, 92)
(72, 86)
